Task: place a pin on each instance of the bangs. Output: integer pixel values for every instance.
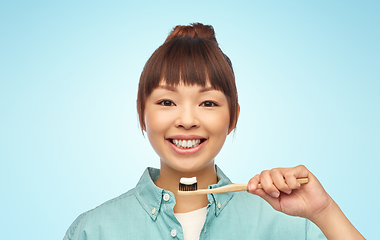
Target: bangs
(191, 61)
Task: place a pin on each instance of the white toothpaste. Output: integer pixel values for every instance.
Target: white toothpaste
(188, 181)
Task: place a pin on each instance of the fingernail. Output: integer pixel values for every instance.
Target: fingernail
(251, 186)
(275, 194)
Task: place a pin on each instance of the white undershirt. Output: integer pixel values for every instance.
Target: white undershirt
(192, 223)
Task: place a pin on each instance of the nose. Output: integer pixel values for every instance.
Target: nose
(187, 118)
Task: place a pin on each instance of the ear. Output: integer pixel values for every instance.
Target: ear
(237, 118)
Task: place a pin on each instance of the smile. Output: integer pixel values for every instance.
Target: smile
(186, 143)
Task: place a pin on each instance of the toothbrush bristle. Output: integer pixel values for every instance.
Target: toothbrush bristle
(188, 184)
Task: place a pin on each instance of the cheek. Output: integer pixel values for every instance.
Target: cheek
(218, 123)
(155, 122)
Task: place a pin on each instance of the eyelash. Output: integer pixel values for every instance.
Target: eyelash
(162, 102)
(168, 103)
(213, 104)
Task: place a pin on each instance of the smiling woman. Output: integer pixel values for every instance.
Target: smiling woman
(195, 113)
(187, 104)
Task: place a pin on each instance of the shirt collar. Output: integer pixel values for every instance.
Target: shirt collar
(220, 200)
(150, 196)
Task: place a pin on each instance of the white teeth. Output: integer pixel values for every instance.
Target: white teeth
(186, 143)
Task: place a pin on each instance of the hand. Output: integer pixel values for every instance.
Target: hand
(282, 191)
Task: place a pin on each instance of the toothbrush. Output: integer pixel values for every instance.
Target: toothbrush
(188, 186)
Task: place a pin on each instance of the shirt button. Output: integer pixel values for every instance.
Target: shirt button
(173, 232)
(219, 205)
(166, 197)
(153, 211)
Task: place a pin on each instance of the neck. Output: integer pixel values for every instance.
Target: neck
(169, 180)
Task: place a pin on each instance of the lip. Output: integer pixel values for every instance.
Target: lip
(186, 151)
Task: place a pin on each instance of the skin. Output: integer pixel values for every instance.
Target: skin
(203, 112)
(311, 201)
(183, 111)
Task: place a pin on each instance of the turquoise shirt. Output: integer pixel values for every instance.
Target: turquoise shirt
(146, 212)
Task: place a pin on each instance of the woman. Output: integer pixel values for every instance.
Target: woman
(187, 104)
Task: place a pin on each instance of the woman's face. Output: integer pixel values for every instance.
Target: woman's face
(187, 125)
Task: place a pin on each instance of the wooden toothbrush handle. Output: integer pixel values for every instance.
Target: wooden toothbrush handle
(229, 188)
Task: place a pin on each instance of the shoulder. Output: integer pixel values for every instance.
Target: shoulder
(107, 212)
(116, 204)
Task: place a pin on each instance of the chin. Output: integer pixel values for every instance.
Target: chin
(189, 166)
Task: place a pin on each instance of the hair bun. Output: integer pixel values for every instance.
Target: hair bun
(194, 30)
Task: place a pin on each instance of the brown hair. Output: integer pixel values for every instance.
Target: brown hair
(190, 54)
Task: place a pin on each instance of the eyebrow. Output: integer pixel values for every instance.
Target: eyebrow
(174, 89)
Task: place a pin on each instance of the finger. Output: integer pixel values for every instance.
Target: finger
(292, 174)
(279, 181)
(253, 182)
(300, 171)
(291, 180)
(267, 184)
(252, 188)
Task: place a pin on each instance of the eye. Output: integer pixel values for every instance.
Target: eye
(166, 102)
(209, 104)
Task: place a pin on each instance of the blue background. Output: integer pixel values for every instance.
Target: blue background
(307, 74)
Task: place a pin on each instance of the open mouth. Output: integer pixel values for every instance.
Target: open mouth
(185, 144)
